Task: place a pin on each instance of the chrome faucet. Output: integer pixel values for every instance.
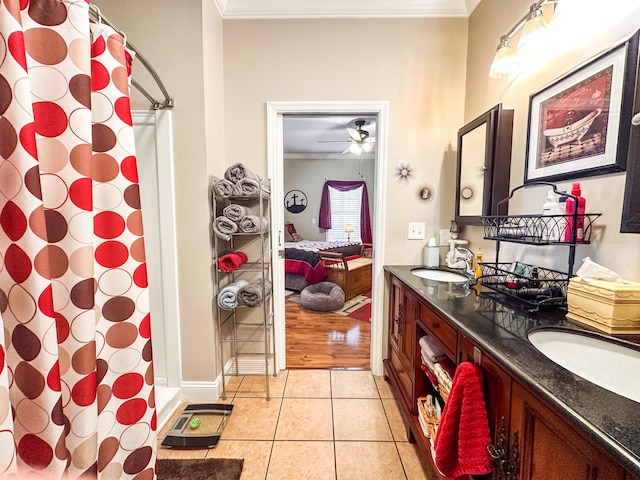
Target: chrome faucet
(467, 256)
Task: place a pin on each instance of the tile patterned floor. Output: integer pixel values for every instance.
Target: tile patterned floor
(319, 424)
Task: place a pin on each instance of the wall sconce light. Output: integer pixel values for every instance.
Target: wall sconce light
(506, 61)
(348, 230)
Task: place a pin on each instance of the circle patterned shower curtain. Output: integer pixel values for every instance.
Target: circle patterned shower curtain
(76, 376)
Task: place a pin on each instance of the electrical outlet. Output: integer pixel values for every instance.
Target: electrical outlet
(445, 236)
(416, 231)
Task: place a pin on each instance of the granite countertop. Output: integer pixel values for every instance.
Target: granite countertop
(500, 329)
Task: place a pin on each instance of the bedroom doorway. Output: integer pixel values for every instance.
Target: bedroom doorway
(277, 113)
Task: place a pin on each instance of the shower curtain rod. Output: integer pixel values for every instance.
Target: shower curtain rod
(96, 15)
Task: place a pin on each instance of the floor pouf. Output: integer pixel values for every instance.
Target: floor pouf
(322, 297)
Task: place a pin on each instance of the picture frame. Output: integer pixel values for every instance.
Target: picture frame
(579, 125)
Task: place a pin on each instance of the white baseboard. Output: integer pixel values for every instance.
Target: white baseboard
(201, 392)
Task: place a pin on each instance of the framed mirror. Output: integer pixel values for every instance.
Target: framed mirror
(484, 165)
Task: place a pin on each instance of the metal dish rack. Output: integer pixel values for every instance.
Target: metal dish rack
(534, 286)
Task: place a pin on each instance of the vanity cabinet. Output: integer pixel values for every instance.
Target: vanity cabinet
(531, 439)
(550, 448)
(497, 395)
(402, 344)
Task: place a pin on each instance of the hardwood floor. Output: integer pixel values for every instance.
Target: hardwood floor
(325, 340)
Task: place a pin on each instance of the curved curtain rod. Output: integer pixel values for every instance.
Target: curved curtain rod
(96, 15)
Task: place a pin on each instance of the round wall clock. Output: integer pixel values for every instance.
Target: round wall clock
(295, 201)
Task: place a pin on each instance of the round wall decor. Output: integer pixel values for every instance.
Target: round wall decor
(295, 201)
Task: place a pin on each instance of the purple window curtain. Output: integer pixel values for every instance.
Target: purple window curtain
(345, 186)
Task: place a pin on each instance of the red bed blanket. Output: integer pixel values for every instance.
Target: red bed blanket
(305, 263)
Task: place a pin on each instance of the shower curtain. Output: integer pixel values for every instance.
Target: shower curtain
(76, 376)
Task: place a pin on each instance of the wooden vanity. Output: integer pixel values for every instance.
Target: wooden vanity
(546, 423)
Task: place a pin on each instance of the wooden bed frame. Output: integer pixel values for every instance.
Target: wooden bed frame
(354, 275)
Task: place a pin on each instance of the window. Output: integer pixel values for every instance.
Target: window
(345, 209)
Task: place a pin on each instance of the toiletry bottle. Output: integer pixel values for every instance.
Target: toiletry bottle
(478, 261)
(431, 253)
(562, 210)
(578, 228)
(550, 226)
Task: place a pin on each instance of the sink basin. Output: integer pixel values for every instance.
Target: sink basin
(439, 275)
(608, 362)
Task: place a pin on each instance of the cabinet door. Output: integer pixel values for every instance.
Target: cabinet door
(402, 322)
(550, 448)
(497, 391)
(395, 312)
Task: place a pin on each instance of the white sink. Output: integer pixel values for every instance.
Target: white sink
(439, 275)
(608, 362)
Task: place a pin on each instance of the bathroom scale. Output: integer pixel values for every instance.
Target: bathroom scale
(198, 426)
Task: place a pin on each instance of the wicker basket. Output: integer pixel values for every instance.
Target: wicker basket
(427, 416)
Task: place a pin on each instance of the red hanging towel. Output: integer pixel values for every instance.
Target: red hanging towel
(231, 261)
(463, 434)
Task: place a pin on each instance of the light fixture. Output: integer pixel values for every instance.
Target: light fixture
(506, 62)
(348, 230)
(530, 44)
(356, 148)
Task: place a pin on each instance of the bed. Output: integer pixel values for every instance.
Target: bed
(302, 263)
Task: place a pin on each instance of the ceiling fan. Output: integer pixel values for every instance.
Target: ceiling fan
(360, 140)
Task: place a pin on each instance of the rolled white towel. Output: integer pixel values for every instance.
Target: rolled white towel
(238, 171)
(236, 212)
(431, 348)
(228, 296)
(223, 187)
(253, 224)
(224, 228)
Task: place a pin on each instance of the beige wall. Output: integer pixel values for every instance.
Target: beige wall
(221, 75)
(418, 65)
(174, 39)
(604, 193)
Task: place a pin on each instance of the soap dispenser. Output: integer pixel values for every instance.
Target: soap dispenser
(551, 230)
(431, 254)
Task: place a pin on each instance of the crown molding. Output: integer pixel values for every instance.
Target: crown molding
(291, 9)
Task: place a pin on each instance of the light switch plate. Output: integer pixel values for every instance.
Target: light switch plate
(416, 231)
(445, 236)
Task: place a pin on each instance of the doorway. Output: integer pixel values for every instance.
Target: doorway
(276, 112)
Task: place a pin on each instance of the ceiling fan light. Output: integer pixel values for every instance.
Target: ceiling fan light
(356, 149)
(367, 147)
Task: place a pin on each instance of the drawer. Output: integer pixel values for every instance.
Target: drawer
(404, 377)
(439, 329)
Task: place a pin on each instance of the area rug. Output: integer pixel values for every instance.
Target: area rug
(359, 308)
(199, 469)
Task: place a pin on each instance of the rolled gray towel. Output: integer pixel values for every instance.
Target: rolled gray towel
(223, 187)
(252, 294)
(236, 212)
(237, 172)
(224, 228)
(248, 187)
(228, 296)
(252, 224)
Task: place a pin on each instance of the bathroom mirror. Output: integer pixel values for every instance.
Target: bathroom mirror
(484, 164)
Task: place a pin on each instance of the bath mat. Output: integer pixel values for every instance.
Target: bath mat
(199, 469)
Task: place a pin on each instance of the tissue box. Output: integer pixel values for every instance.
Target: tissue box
(607, 306)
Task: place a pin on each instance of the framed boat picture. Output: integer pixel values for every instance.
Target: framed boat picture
(579, 125)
